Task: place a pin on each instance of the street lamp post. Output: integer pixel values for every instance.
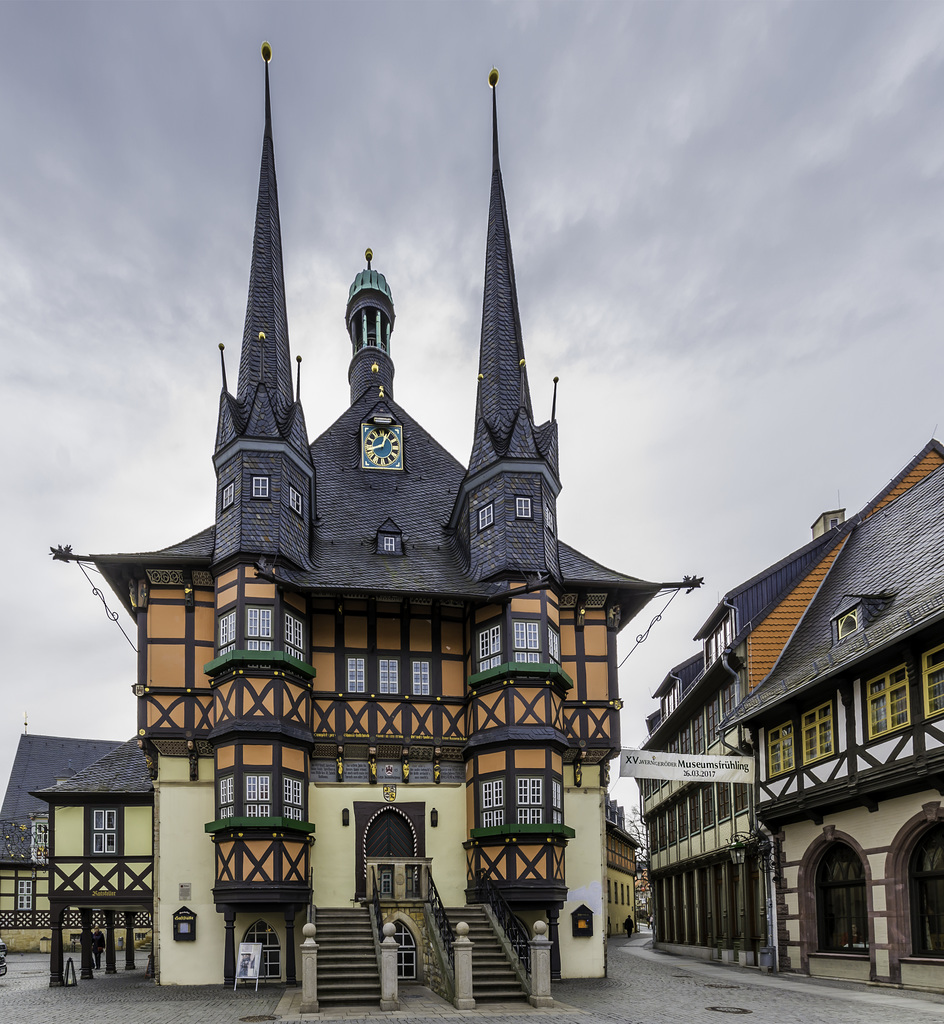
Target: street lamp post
(759, 846)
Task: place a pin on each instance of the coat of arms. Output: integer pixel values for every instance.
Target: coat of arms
(390, 793)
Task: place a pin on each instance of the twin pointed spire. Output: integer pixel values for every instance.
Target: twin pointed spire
(504, 419)
(265, 355)
(265, 405)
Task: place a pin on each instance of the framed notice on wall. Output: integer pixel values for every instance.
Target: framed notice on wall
(248, 961)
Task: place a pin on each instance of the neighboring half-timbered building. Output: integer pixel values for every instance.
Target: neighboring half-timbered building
(101, 858)
(25, 838)
(823, 667)
(376, 654)
(849, 728)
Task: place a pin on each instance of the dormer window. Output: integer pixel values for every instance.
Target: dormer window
(847, 623)
(229, 495)
(389, 539)
(260, 487)
(720, 639)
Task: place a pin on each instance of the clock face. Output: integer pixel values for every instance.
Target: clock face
(381, 446)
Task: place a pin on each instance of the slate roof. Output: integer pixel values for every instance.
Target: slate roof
(898, 551)
(122, 770)
(39, 761)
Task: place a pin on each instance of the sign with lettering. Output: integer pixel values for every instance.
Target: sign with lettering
(657, 764)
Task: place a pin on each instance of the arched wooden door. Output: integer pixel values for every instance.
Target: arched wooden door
(390, 835)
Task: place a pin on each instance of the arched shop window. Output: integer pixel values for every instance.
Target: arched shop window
(271, 966)
(841, 908)
(927, 894)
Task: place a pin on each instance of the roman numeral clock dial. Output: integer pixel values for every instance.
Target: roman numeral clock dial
(381, 446)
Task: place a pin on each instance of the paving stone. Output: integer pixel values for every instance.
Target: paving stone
(644, 986)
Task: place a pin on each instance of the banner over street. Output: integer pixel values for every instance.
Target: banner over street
(657, 764)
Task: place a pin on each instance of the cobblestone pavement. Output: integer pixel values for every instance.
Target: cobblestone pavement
(643, 987)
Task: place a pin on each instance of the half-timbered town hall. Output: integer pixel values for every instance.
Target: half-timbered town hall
(378, 672)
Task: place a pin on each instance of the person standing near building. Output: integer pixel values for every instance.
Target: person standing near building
(628, 924)
(98, 947)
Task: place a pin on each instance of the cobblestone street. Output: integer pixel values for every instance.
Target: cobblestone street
(644, 987)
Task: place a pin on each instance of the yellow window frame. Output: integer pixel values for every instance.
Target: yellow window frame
(889, 704)
(781, 755)
(932, 663)
(817, 732)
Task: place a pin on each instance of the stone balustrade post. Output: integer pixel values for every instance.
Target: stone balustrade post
(389, 993)
(462, 957)
(540, 967)
(309, 970)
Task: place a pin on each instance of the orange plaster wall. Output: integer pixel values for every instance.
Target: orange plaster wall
(597, 680)
(255, 753)
(165, 621)
(166, 665)
(204, 621)
(225, 757)
(324, 671)
(355, 631)
(388, 634)
(529, 759)
(491, 762)
(293, 759)
(421, 635)
(594, 638)
(201, 655)
(322, 630)
(452, 638)
(453, 678)
(257, 590)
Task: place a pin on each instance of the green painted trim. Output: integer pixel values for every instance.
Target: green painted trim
(274, 658)
(553, 828)
(550, 670)
(256, 823)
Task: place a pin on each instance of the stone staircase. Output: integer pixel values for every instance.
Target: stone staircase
(347, 959)
(493, 977)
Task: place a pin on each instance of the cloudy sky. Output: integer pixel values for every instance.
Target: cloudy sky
(728, 226)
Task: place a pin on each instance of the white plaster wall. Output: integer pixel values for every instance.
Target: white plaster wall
(585, 866)
(334, 851)
(185, 854)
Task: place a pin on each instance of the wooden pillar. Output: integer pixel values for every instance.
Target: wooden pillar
(229, 947)
(110, 967)
(56, 913)
(552, 920)
(290, 946)
(86, 973)
(129, 940)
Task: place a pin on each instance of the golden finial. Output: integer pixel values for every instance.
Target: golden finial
(481, 377)
(369, 255)
(298, 359)
(374, 368)
(222, 346)
(381, 391)
(521, 362)
(266, 52)
(262, 335)
(493, 77)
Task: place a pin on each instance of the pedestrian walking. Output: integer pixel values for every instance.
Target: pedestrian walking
(98, 947)
(629, 924)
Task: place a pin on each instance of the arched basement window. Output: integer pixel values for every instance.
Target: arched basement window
(271, 966)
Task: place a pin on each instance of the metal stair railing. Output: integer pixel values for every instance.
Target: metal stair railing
(487, 892)
(439, 916)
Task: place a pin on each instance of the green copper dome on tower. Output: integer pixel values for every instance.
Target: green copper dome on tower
(370, 279)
